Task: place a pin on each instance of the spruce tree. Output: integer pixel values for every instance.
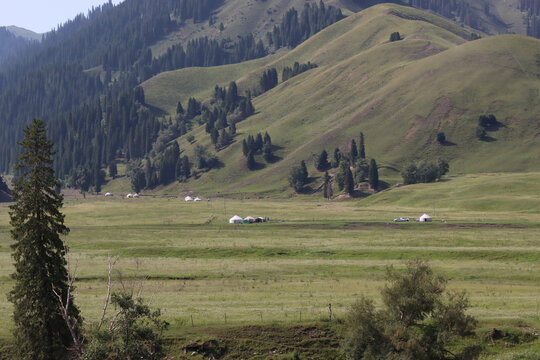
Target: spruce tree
(305, 175)
(39, 253)
(251, 161)
(322, 161)
(179, 108)
(337, 158)
(113, 169)
(354, 151)
(362, 151)
(267, 152)
(349, 181)
(373, 175)
(327, 186)
(245, 148)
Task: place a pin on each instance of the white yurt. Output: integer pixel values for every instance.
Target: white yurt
(129, 196)
(250, 219)
(235, 220)
(108, 194)
(135, 196)
(188, 198)
(197, 199)
(425, 218)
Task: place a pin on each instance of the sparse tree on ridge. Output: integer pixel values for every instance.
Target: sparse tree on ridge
(39, 254)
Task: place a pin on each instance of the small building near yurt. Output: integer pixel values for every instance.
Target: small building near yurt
(236, 220)
(188, 198)
(425, 218)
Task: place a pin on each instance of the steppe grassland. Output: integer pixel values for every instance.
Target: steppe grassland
(311, 254)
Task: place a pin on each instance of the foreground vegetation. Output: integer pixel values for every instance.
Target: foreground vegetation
(212, 279)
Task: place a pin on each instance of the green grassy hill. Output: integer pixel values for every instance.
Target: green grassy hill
(240, 17)
(400, 94)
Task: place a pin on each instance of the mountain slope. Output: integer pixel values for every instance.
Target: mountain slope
(399, 94)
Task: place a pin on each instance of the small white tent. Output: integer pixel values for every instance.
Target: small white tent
(425, 218)
(188, 198)
(235, 220)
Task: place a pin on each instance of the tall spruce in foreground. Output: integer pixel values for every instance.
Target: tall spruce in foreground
(39, 253)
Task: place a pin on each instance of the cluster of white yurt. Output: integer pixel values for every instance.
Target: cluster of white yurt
(424, 218)
(190, 199)
(132, 196)
(248, 220)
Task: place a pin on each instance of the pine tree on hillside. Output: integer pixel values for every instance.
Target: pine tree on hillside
(327, 186)
(362, 151)
(349, 181)
(245, 147)
(113, 170)
(250, 161)
(337, 158)
(305, 174)
(373, 175)
(39, 254)
(179, 108)
(354, 151)
(322, 161)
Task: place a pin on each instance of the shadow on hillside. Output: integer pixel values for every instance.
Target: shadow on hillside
(383, 185)
(488, 138)
(274, 159)
(448, 143)
(156, 111)
(359, 194)
(388, 167)
(258, 166)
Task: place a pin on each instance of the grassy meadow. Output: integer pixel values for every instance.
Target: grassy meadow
(205, 273)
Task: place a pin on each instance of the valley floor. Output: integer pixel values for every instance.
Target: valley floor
(213, 279)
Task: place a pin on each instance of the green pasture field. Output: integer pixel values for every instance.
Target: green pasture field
(312, 253)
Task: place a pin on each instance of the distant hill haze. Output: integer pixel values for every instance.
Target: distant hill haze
(24, 33)
(10, 43)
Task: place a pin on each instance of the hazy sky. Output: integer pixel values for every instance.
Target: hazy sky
(43, 15)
